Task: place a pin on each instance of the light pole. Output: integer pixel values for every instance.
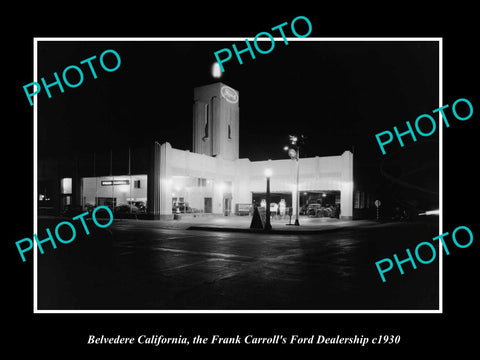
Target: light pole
(294, 152)
(297, 223)
(268, 226)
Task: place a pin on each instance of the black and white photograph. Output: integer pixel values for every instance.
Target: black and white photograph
(261, 187)
(213, 181)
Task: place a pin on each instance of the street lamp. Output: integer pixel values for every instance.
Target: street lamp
(294, 152)
(268, 226)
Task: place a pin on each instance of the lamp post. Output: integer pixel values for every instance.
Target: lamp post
(294, 152)
(268, 226)
(297, 223)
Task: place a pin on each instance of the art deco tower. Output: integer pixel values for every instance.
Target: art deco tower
(216, 121)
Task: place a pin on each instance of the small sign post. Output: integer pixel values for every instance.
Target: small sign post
(377, 204)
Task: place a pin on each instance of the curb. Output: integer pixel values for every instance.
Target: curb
(261, 231)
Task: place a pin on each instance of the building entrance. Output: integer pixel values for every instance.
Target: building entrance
(227, 206)
(208, 205)
(320, 203)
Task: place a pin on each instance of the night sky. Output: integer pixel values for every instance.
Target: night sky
(339, 94)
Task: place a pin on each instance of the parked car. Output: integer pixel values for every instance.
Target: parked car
(142, 208)
(319, 210)
(313, 209)
(71, 210)
(126, 209)
(89, 207)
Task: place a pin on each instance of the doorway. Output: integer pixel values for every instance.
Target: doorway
(227, 206)
(207, 205)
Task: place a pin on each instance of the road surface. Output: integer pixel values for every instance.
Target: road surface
(139, 265)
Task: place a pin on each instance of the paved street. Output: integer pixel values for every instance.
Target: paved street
(145, 265)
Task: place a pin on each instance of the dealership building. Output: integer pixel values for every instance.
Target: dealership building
(210, 179)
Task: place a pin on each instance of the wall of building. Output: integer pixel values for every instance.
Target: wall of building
(192, 190)
(245, 176)
(92, 187)
(218, 172)
(194, 177)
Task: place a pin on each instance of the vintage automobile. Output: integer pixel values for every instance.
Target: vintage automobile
(318, 210)
(126, 209)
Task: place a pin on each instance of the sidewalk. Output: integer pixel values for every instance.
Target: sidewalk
(308, 225)
(279, 226)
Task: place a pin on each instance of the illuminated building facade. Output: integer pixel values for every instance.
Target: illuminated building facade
(212, 178)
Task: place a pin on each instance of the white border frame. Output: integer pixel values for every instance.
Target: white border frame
(338, 39)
